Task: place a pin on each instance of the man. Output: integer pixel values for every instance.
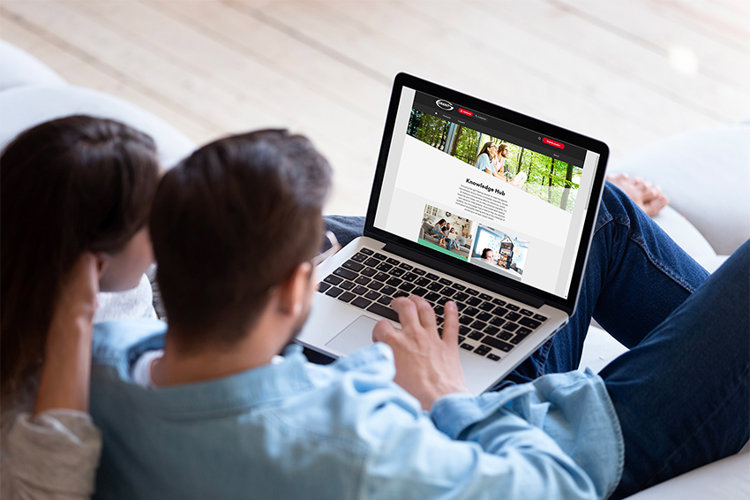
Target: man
(213, 415)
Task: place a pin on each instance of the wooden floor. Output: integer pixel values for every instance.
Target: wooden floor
(628, 73)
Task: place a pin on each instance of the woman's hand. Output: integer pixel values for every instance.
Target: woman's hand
(427, 366)
(67, 361)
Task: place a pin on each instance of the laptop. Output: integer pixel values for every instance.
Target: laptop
(474, 203)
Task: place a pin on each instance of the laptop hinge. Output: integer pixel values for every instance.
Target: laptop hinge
(460, 273)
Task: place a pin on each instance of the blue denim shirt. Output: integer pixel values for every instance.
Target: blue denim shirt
(343, 431)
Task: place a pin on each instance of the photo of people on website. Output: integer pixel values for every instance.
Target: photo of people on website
(446, 232)
(551, 180)
(499, 252)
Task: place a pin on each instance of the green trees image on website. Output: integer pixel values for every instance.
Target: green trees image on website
(551, 180)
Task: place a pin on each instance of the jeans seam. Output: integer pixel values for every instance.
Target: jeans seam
(679, 449)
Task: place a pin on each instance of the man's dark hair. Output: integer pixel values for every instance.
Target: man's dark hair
(231, 222)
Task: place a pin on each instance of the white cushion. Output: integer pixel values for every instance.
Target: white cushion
(24, 107)
(706, 175)
(17, 68)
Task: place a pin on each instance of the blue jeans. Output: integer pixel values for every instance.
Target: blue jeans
(681, 392)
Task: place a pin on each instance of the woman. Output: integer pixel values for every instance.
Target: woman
(76, 195)
(437, 229)
(485, 158)
(488, 255)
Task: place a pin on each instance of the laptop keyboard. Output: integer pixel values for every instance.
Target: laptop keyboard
(488, 326)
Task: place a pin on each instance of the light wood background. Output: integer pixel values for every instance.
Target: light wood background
(626, 72)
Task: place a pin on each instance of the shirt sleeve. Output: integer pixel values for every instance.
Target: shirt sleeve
(483, 163)
(498, 445)
(53, 455)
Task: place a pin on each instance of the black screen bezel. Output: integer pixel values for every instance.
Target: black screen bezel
(468, 271)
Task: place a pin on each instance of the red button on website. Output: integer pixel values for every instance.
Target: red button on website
(553, 143)
(465, 112)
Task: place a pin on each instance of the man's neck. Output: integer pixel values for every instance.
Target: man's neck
(212, 361)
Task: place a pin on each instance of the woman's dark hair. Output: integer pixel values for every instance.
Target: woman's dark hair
(69, 186)
(441, 221)
(485, 150)
(485, 252)
(229, 223)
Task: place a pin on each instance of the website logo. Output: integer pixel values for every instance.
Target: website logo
(443, 104)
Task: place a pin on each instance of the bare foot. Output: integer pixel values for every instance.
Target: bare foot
(643, 193)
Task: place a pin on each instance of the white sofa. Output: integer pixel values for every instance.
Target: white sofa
(709, 214)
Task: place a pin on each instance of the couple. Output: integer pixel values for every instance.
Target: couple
(203, 407)
(491, 160)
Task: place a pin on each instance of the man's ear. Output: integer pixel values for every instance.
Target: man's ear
(103, 260)
(294, 291)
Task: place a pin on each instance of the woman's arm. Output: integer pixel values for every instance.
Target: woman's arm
(54, 452)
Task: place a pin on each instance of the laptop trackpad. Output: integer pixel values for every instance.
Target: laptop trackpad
(355, 336)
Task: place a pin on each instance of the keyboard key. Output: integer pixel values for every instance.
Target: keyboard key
(407, 287)
(334, 291)
(503, 335)
(372, 262)
(433, 277)
(473, 292)
(368, 271)
(372, 295)
(473, 301)
(360, 290)
(409, 277)
(459, 286)
(499, 311)
(346, 296)
(478, 325)
(448, 292)
(419, 291)
(493, 357)
(400, 294)
(511, 327)
(539, 317)
(381, 276)
(322, 287)
(419, 272)
(384, 266)
(463, 330)
(465, 320)
(406, 266)
(422, 282)
(397, 272)
(346, 285)
(461, 338)
(460, 296)
(512, 307)
(512, 316)
(491, 330)
(467, 346)
(381, 310)
(497, 321)
(445, 281)
(484, 296)
(482, 350)
(484, 316)
(394, 282)
(498, 302)
(393, 261)
(432, 297)
(333, 280)
(385, 300)
(345, 273)
(379, 256)
(354, 266)
(470, 311)
(526, 312)
(487, 306)
(375, 285)
(359, 257)
(498, 344)
(434, 286)
(387, 290)
(531, 323)
(366, 251)
(523, 331)
(362, 280)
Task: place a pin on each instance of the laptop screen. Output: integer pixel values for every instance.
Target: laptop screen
(499, 196)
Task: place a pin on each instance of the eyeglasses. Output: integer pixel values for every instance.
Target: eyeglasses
(330, 246)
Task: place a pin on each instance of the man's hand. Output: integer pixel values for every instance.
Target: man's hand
(427, 366)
